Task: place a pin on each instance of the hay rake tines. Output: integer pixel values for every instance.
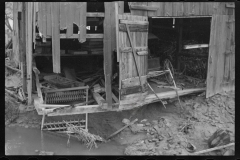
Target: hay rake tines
(66, 95)
(61, 126)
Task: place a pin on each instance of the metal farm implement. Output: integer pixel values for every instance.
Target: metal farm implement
(65, 97)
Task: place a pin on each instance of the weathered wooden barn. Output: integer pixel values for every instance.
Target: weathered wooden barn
(122, 33)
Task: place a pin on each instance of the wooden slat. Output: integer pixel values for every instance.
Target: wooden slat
(55, 8)
(144, 8)
(130, 82)
(153, 13)
(87, 36)
(133, 28)
(34, 24)
(70, 16)
(49, 19)
(95, 14)
(129, 49)
(168, 8)
(40, 16)
(29, 50)
(83, 22)
(108, 52)
(63, 19)
(217, 50)
(44, 19)
(116, 29)
(134, 22)
(195, 46)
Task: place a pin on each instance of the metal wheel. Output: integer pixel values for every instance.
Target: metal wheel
(168, 65)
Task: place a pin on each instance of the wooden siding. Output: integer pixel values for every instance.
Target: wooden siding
(221, 63)
(127, 66)
(184, 8)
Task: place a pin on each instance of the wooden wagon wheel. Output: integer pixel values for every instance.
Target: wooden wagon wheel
(168, 65)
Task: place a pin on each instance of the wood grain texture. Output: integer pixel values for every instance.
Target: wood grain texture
(49, 19)
(63, 19)
(134, 81)
(107, 47)
(55, 8)
(44, 19)
(70, 17)
(133, 28)
(40, 16)
(83, 22)
(220, 53)
(29, 50)
(183, 9)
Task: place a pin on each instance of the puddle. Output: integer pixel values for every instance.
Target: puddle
(21, 141)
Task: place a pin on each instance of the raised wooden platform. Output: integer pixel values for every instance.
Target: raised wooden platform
(150, 98)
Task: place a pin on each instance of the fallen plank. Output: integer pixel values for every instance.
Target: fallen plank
(13, 95)
(195, 46)
(213, 149)
(84, 103)
(14, 69)
(171, 94)
(131, 123)
(99, 99)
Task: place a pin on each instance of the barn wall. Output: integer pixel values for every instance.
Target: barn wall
(184, 8)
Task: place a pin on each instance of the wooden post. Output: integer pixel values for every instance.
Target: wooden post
(180, 29)
(29, 19)
(23, 46)
(107, 48)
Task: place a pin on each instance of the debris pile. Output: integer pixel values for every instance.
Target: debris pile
(194, 132)
(84, 136)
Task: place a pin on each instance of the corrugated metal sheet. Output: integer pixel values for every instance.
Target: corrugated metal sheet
(184, 8)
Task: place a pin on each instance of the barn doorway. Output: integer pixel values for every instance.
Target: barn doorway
(185, 43)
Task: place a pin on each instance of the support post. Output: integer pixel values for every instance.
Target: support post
(23, 46)
(107, 48)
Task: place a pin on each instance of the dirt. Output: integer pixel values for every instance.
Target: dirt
(158, 131)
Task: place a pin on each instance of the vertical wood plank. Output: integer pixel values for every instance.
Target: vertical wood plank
(29, 50)
(153, 13)
(108, 53)
(34, 24)
(168, 8)
(55, 8)
(63, 19)
(40, 16)
(70, 16)
(116, 28)
(44, 21)
(83, 22)
(49, 19)
(23, 47)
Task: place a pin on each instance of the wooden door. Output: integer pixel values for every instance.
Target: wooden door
(132, 92)
(221, 61)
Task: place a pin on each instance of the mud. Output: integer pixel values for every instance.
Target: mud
(161, 132)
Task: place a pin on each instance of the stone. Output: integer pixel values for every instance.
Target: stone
(126, 121)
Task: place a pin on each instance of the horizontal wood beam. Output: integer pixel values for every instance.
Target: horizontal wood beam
(133, 28)
(192, 46)
(134, 22)
(171, 94)
(95, 14)
(100, 100)
(230, 5)
(141, 7)
(87, 36)
(129, 49)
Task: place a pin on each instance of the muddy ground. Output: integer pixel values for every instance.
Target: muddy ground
(158, 131)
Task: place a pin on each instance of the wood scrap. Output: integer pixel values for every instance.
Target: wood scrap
(14, 69)
(157, 82)
(118, 131)
(84, 103)
(14, 96)
(213, 149)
